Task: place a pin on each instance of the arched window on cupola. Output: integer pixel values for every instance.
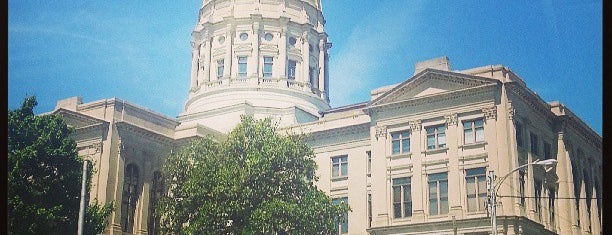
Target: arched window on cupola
(130, 197)
(157, 191)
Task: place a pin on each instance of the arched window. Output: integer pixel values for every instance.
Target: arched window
(157, 191)
(130, 197)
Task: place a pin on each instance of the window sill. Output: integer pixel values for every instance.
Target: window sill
(402, 219)
(400, 155)
(434, 151)
(481, 144)
(339, 178)
(438, 216)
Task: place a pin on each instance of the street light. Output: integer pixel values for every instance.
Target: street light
(493, 186)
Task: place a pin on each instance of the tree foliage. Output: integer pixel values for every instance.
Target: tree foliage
(44, 175)
(255, 182)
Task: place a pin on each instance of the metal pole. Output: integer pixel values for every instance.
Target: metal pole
(82, 207)
(492, 202)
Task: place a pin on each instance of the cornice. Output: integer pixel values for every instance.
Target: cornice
(346, 130)
(148, 134)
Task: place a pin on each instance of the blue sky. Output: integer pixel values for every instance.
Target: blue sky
(139, 51)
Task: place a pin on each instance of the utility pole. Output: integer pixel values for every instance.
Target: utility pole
(82, 207)
(492, 201)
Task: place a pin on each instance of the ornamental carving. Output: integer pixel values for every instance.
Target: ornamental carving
(490, 113)
(415, 125)
(381, 131)
(451, 119)
(511, 112)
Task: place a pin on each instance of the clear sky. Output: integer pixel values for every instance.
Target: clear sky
(139, 50)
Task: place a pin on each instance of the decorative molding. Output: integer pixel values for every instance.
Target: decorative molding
(511, 112)
(451, 119)
(415, 125)
(381, 131)
(490, 113)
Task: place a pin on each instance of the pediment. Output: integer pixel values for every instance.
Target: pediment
(78, 120)
(430, 82)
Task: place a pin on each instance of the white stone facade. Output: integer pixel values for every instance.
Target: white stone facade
(409, 161)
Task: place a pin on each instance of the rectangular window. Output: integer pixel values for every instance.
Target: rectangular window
(534, 143)
(519, 134)
(267, 69)
(522, 187)
(473, 131)
(369, 210)
(291, 69)
(311, 74)
(339, 166)
(436, 137)
(547, 153)
(551, 205)
(537, 184)
(342, 225)
(400, 142)
(242, 66)
(476, 182)
(220, 66)
(369, 154)
(402, 199)
(438, 193)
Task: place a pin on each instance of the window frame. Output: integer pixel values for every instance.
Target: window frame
(341, 226)
(401, 140)
(478, 196)
(242, 66)
(291, 69)
(267, 65)
(436, 134)
(438, 194)
(220, 68)
(405, 204)
(534, 145)
(342, 161)
(474, 131)
(130, 197)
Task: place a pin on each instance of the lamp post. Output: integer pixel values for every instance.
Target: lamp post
(493, 185)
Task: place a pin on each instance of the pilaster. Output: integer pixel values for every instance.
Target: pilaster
(454, 175)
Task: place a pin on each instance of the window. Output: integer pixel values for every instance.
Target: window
(537, 184)
(267, 69)
(339, 166)
(547, 154)
(438, 193)
(369, 154)
(157, 191)
(369, 210)
(219, 69)
(244, 36)
(242, 66)
(551, 205)
(522, 187)
(519, 134)
(342, 225)
(534, 143)
(312, 76)
(436, 137)
(476, 182)
(400, 142)
(291, 69)
(473, 131)
(130, 197)
(402, 200)
(577, 185)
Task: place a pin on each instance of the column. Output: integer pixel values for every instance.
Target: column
(253, 66)
(565, 187)
(207, 63)
(202, 64)
(305, 58)
(321, 76)
(282, 48)
(455, 191)
(229, 40)
(324, 91)
(418, 184)
(194, 65)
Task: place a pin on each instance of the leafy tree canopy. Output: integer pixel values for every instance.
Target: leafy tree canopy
(255, 182)
(44, 176)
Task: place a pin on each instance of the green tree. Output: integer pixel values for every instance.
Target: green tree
(255, 182)
(44, 175)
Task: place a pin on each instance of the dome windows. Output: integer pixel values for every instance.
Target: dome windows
(268, 37)
(292, 41)
(221, 39)
(244, 36)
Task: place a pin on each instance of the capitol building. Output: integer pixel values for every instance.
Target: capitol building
(412, 160)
